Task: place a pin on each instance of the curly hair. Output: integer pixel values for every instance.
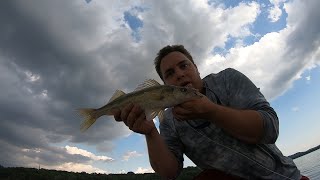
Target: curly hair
(167, 50)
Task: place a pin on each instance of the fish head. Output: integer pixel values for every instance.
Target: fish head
(186, 93)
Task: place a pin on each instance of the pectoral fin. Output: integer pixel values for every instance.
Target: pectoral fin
(161, 115)
(151, 114)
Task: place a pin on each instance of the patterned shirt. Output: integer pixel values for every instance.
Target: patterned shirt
(210, 147)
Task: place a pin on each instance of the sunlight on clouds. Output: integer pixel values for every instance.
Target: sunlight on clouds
(216, 62)
(130, 154)
(31, 77)
(76, 167)
(277, 2)
(43, 95)
(75, 150)
(142, 170)
(295, 109)
(36, 150)
(274, 14)
(257, 61)
(239, 17)
(308, 78)
(122, 172)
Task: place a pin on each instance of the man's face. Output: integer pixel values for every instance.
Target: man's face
(178, 70)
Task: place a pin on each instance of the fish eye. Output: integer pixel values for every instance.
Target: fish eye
(183, 89)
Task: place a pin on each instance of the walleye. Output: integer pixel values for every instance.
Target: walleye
(152, 97)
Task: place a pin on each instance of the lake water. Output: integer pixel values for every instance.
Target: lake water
(309, 164)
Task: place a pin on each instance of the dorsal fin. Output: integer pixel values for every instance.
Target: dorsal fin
(147, 83)
(116, 94)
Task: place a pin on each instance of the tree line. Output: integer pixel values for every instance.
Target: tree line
(33, 173)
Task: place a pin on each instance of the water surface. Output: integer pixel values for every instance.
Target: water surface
(309, 164)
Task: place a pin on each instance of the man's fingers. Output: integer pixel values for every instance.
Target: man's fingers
(125, 112)
(178, 110)
(139, 121)
(180, 113)
(133, 115)
(142, 117)
(135, 112)
(132, 118)
(116, 114)
(137, 109)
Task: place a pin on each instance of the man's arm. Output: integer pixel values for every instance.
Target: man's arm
(246, 125)
(161, 158)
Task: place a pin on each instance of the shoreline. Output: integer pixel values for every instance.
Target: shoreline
(299, 154)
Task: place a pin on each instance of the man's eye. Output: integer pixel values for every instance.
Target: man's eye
(184, 66)
(168, 74)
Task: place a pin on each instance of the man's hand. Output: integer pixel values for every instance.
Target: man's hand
(194, 109)
(134, 117)
(246, 125)
(162, 159)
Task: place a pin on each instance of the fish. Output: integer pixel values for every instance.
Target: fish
(150, 95)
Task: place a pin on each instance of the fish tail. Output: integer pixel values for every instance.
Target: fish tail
(89, 116)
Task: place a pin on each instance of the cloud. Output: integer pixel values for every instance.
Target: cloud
(56, 57)
(32, 157)
(130, 154)
(275, 61)
(308, 78)
(207, 26)
(122, 172)
(275, 11)
(295, 109)
(76, 167)
(142, 170)
(75, 150)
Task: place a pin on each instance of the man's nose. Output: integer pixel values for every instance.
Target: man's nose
(179, 74)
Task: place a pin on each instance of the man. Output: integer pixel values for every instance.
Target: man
(231, 130)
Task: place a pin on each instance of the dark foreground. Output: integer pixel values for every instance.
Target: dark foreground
(32, 173)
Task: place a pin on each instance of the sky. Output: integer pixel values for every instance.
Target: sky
(57, 56)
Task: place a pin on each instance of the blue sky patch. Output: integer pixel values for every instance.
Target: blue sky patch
(224, 50)
(263, 25)
(134, 23)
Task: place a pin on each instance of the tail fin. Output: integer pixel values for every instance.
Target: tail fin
(89, 118)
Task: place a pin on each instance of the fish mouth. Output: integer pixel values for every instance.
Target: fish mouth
(186, 84)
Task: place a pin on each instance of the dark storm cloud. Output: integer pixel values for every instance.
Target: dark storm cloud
(305, 38)
(35, 113)
(302, 42)
(50, 156)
